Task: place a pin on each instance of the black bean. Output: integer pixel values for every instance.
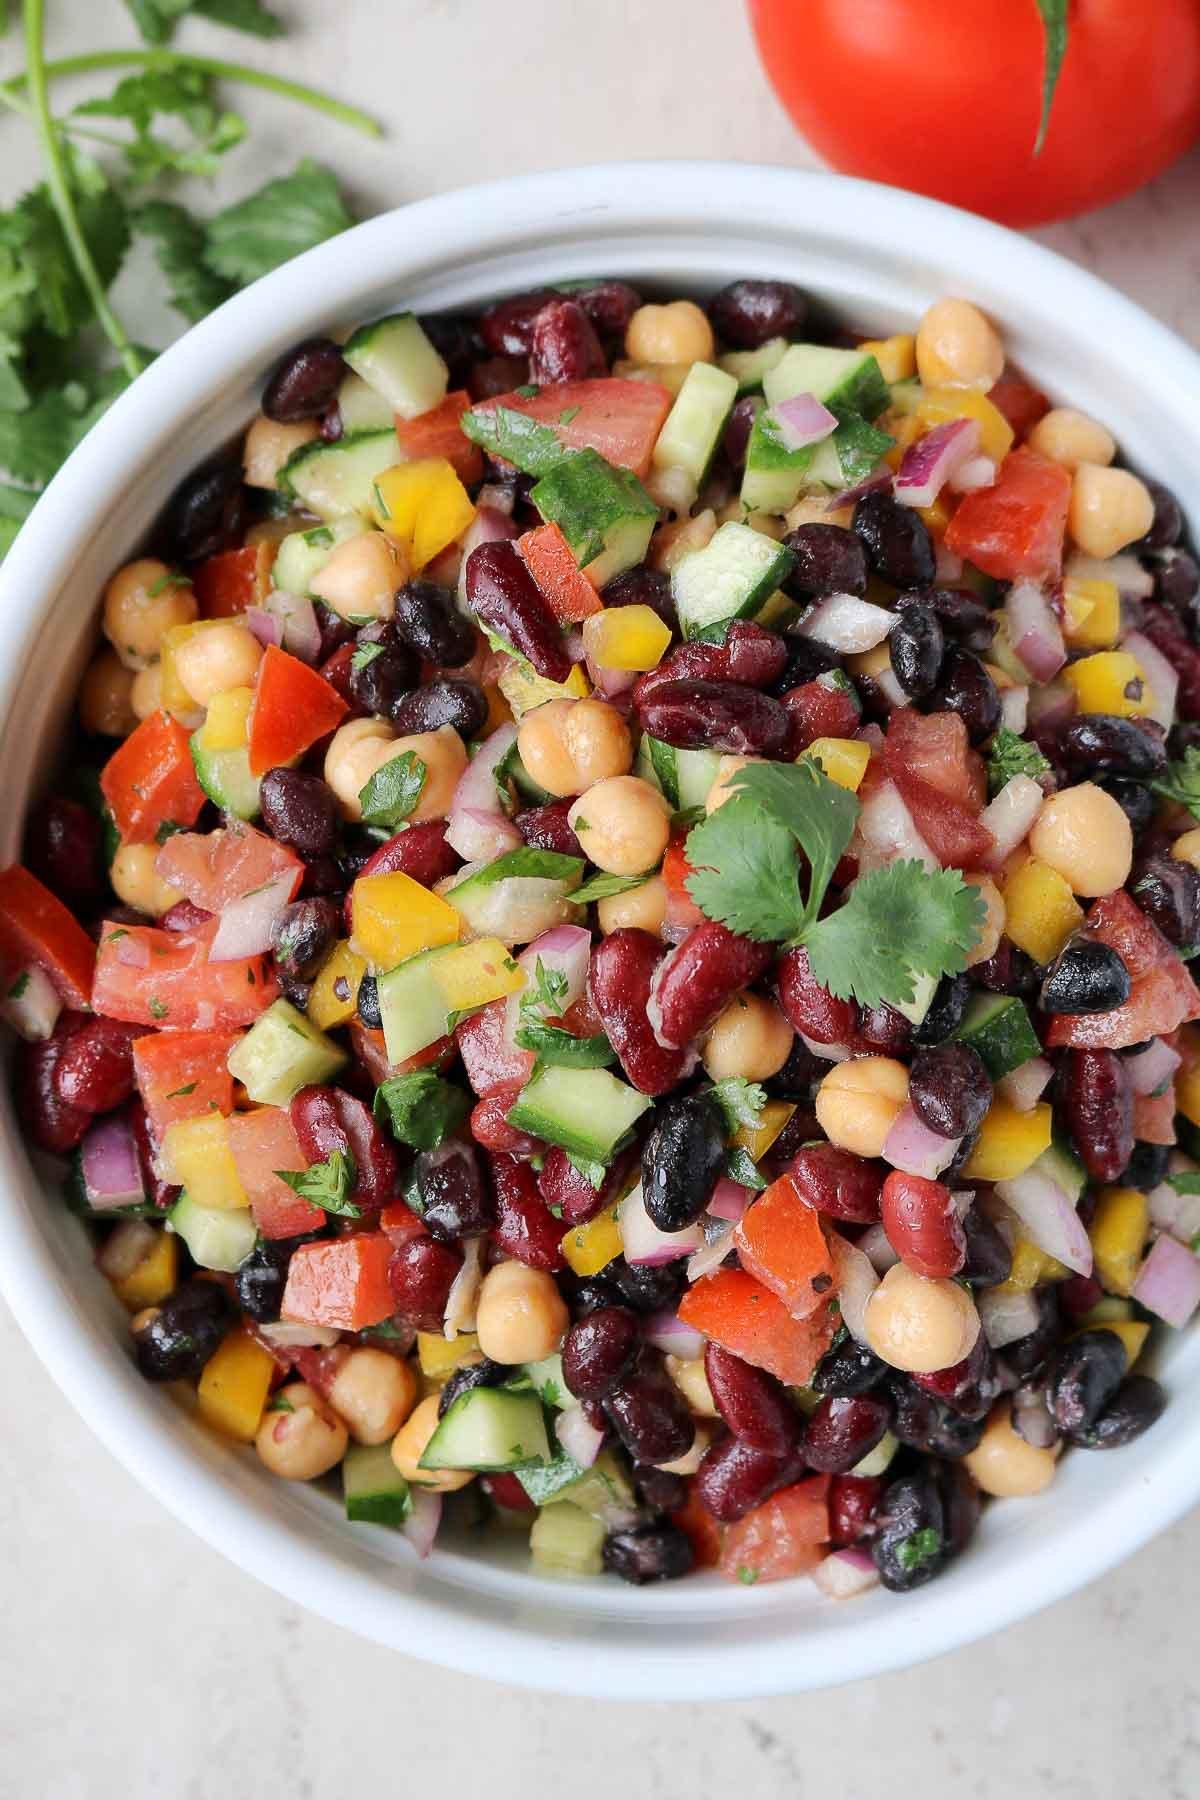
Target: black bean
(1138, 1404)
(989, 1257)
(967, 689)
(910, 1544)
(451, 701)
(829, 560)
(1026, 1356)
(335, 631)
(484, 1373)
(848, 1368)
(946, 1010)
(949, 1089)
(183, 1333)
(961, 616)
(648, 1553)
(1086, 977)
(303, 935)
(1167, 525)
(749, 313)
(1081, 1378)
(305, 382)
(204, 515)
(1177, 582)
(455, 342)
(649, 1413)
(1111, 745)
(598, 1350)
(1168, 889)
(456, 1200)
(383, 671)
(682, 1161)
(897, 541)
(300, 810)
(643, 586)
(1147, 1167)
(585, 1296)
(427, 618)
(806, 659)
(368, 1003)
(259, 1283)
(648, 1287)
(926, 1423)
(1136, 802)
(1008, 971)
(659, 1488)
(916, 648)
(798, 1076)
(735, 439)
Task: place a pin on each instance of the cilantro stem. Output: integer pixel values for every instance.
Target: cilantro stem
(60, 189)
(93, 60)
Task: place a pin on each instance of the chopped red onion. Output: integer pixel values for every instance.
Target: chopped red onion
(874, 483)
(1031, 1418)
(481, 836)
(1151, 1069)
(578, 1436)
(1161, 676)
(565, 950)
(845, 1573)
(1168, 1284)
(111, 1167)
(265, 626)
(490, 525)
(887, 833)
(928, 464)
(1134, 581)
(949, 564)
(1037, 639)
(298, 617)
(846, 624)
(1010, 817)
(976, 472)
(827, 1052)
(1006, 1317)
(1014, 708)
(244, 926)
(464, 1291)
(421, 1525)
(802, 421)
(290, 1334)
(668, 1333)
(30, 1003)
(730, 1200)
(129, 1245)
(1049, 1218)
(855, 1277)
(877, 1248)
(1023, 1087)
(1163, 1203)
(477, 795)
(713, 1254)
(912, 1147)
(643, 1242)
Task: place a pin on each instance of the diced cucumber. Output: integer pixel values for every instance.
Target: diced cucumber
(281, 1053)
(547, 1379)
(878, 1459)
(604, 513)
(774, 474)
(395, 357)
(914, 1010)
(1062, 1165)
(225, 777)
(588, 1112)
(511, 768)
(850, 455)
(362, 408)
(566, 1541)
(374, 1488)
(337, 480)
(748, 367)
(216, 1236)
(412, 1005)
(303, 554)
(625, 546)
(683, 776)
(737, 570)
(849, 381)
(551, 1481)
(491, 1430)
(998, 1027)
(693, 427)
(603, 1491)
(477, 900)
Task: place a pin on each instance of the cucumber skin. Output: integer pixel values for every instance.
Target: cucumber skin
(998, 1029)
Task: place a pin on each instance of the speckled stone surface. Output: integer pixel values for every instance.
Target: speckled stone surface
(136, 1664)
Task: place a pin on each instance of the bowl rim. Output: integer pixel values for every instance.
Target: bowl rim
(630, 197)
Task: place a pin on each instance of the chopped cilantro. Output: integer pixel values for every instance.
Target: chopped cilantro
(181, 1093)
(172, 578)
(562, 1049)
(1180, 781)
(740, 1167)
(595, 1172)
(280, 1404)
(1013, 755)
(746, 1575)
(514, 437)
(603, 887)
(422, 1109)
(917, 1549)
(19, 985)
(328, 1184)
(1186, 1182)
(545, 996)
(158, 1008)
(364, 655)
(740, 1100)
(393, 791)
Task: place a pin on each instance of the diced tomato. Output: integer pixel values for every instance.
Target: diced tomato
(336, 670)
(214, 868)
(371, 1051)
(236, 579)
(1016, 527)
(1118, 921)
(401, 1222)
(782, 1537)
(181, 1074)
(954, 835)
(151, 780)
(780, 1242)
(1154, 1117)
(164, 978)
(261, 1142)
(547, 555)
(490, 1061)
(821, 709)
(1162, 1000)
(739, 1313)
(1021, 404)
(439, 433)
(682, 910)
(342, 1283)
(701, 1530)
(293, 707)
(620, 419)
(36, 927)
(935, 748)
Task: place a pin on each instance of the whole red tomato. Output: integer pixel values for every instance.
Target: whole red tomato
(945, 97)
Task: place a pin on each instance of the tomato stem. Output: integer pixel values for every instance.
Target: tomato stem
(1054, 25)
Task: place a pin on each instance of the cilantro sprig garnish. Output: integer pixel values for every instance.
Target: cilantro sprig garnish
(1013, 755)
(328, 1184)
(740, 1101)
(545, 996)
(763, 863)
(1180, 781)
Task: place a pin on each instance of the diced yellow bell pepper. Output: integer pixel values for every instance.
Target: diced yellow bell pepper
(1031, 1267)
(423, 504)
(395, 918)
(499, 711)
(1111, 681)
(1132, 1333)
(1187, 1093)
(591, 1247)
(1041, 912)
(757, 1139)
(626, 637)
(1009, 1141)
(196, 1156)
(227, 723)
(937, 405)
(234, 1386)
(154, 1278)
(1092, 613)
(175, 697)
(439, 1356)
(906, 428)
(844, 760)
(778, 609)
(472, 974)
(334, 997)
(1120, 1227)
(936, 517)
(896, 356)
(525, 689)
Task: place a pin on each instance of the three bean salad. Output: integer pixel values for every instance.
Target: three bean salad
(612, 962)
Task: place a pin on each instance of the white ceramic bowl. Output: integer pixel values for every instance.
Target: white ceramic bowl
(878, 257)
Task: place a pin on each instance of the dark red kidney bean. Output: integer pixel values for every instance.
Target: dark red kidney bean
(734, 1477)
(421, 851)
(303, 935)
(747, 313)
(1099, 1107)
(714, 715)
(380, 685)
(946, 1010)
(177, 1340)
(1115, 746)
(420, 1275)
(949, 1089)
(735, 439)
(683, 1159)
(504, 596)
(563, 345)
(183, 916)
(205, 513)
(506, 326)
(1081, 1378)
(1008, 971)
(50, 1121)
(922, 1225)
(808, 1007)
(753, 1404)
(836, 1182)
(966, 688)
(305, 382)
(1166, 633)
(648, 1287)
(337, 672)
(645, 1553)
(609, 305)
(695, 981)
(161, 1193)
(643, 586)
(598, 1350)
(916, 647)
(960, 615)
(1168, 890)
(882, 1028)
(648, 1412)
(472, 1375)
(491, 1129)
(841, 1431)
(496, 375)
(749, 657)
(1080, 1293)
(63, 849)
(896, 539)
(926, 1423)
(327, 1119)
(548, 828)
(563, 1186)
(94, 1071)
(659, 1489)
(620, 979)
(524, 1228)
(829, 560)
(847, 1369)
(506, 1491)
(989, 1256)
(821, 708)
(1138, 1403)
(427, 618)
(300, 810)
(457, 1200)
(1166, 528)
(451, 700)
(853, 1503)
(968, 1387)
(335, 631)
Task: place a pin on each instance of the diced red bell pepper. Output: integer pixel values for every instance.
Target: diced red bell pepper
(621, 419)
(214, 868)
(954, 835)
(164, 978)
(401, 1223)
(935, 748)
(1154, 1117)
(151, 780)
(343, 1283)
(181, 1074)
(682, 910)
(293, 707)
(261, 1142)
(1021, 404)
(439, 433)
(371, 1051)
(739, 1313)
(229, 583)
(547, 555)
(821, 709)
(1016, 527)
(782, 1537)
(780, 1242)
(35, 927)
(701, 1530)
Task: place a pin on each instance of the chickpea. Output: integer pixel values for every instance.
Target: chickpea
(958, 347)
(374, 1394)
(520, 1316)
(567, 745)
(920, 1325)
(361, 577)
(623, 823)
(106, 697)
(1071, 438)
(268, 445)
(225, 655)
(304, 1441)
(1109, 509)
(1187, 847)
(676, 333)
(641, 908)
(811, 509)
(677, 539)
(142, 602)
(445, 757)
(146, 693)
(1003, 1464)
(1084, 835)
(992, 929)
(354, 754)
(137, 882)
(690, 1377)
(751, 1038)
(408, 1447)
(857, 1102)
(721, 788)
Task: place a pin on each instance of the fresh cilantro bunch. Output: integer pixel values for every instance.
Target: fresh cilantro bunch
(1013, 755)
(762, 864)
(1180, 781)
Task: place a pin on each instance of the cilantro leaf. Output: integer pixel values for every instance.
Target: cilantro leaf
(283, 218)
(513, 436)
(179, 244)
(544, 996)
(745, 872)
(157, 19)
(918, 1548)
(897, 921)
(818, 812)
(740, 1167)
(422, 1109)
(35, 443)
(182, 94)
(562, 1049)
(328, 1184)
(364, 655)
(1186, 1182)
(603, 887)
(740, 1100)
(595, 1172)
(393, 791)
(1180, 781)
(1012, 755)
